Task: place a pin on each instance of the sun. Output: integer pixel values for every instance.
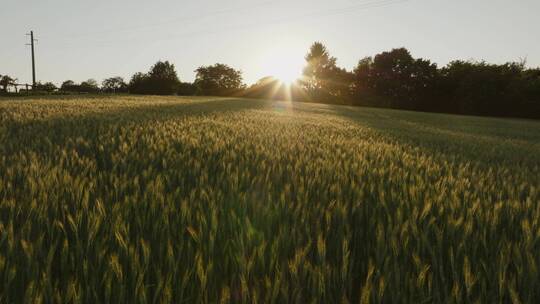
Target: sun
(283, 66)
(285, 74)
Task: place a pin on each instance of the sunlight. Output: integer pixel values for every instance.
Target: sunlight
(282, 66)
(285, 74)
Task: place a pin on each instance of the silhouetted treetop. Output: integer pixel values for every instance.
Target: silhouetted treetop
(218, 79)
(160, 80)
(114, 85)
(323, 79)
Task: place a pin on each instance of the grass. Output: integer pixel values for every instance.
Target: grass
(166, 199)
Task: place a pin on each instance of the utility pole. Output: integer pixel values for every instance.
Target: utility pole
(33, 59)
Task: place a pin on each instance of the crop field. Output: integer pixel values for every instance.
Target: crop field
(189, 200)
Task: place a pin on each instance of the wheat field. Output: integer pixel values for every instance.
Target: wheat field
(212, 200)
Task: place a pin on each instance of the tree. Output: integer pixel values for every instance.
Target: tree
(139, 84)
(363, 87)
(186, 89)
(530, 102)
(163, 78)
(89, 86)
(219, 80)
(323, 79)
(160, 80)
(45, 87)
(531, 88)
(69, 86)
(404, 81)
(487, 89)
(5, 82)
(114, 85)
(362, 75)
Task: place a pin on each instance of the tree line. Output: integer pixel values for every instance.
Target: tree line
(396, 79)
(161, 79)
(392, 79)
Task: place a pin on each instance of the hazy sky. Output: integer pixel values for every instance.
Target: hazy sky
(102, 38)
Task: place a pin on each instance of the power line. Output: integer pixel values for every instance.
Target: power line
(338, 11)
(182, 20)
(364, 5)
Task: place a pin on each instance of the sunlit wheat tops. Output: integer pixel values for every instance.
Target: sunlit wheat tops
(169, 200)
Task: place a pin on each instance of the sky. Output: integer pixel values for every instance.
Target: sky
(79, 40)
